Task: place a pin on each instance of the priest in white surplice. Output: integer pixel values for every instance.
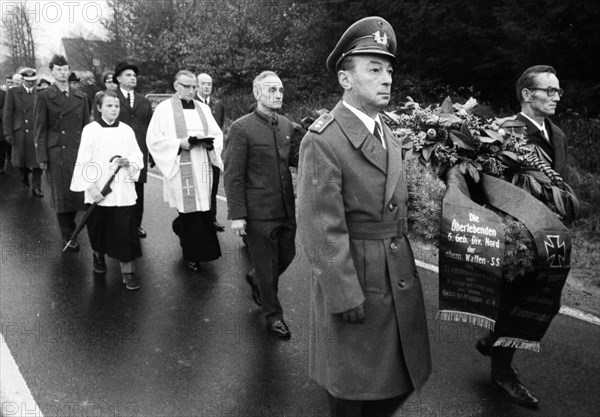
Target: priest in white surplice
(185, 141)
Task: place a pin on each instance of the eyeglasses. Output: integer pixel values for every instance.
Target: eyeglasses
(550, 91)
(188, 87)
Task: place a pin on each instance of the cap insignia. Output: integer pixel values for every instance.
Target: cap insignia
(377, 37)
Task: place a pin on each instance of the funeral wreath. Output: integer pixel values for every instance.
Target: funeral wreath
(438, 138)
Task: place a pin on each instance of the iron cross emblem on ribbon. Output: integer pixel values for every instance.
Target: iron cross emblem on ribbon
(555, 251)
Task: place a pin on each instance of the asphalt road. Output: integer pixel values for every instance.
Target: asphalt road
(194, 344)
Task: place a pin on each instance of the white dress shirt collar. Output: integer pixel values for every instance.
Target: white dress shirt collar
(367, 120)
(541, 127)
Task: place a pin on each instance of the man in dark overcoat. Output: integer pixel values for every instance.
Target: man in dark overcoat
(61, 114)
(538, 92)
(136, 111)
(260, 194)
(218, 111)
(18, 116)
(369, 345)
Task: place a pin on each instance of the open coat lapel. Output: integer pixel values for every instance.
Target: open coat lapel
(24, 101)
(123, 100)
(136, 101)
(394, 162)
(74, 100)
(357, 133)
(57, 97)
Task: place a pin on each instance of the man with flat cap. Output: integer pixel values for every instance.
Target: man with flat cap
(136, 111)
(61, 114)
(18, 116)
(369, 345)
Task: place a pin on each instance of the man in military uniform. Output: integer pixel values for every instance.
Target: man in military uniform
(369, 345)
(136, 111)
(18, 118)
(260, 195)
(61, 114)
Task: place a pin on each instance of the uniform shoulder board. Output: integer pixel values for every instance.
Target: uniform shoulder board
(321, 123)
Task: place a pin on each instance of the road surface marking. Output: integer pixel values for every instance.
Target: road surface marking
(15, 397)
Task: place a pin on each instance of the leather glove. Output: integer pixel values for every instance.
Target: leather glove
(208, 143)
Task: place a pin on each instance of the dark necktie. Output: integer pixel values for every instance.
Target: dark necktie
(377, 134)
(129, 99)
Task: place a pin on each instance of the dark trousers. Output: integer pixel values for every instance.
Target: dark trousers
(351, 408)
(213, 193)
(66, 223)
(501, 358)
(5, 152)
(272, 249)
(36, 176)
(139, 204)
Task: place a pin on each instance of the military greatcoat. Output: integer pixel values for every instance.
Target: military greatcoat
(18, 123)
(352, 205)
(58, 126)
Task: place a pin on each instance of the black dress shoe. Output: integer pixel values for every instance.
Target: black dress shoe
(516, 392)
(219, 227)
(142, 233)
(255, 290)
(73, 246)
(37, 192)
(483, 346)
(279, 329)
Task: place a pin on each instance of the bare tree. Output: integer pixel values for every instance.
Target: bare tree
(17, 36)
(114, 25)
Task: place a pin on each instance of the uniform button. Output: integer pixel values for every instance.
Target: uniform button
(401, 283)
(393, 247)
(63, 132)
(26, 121)
(26, 130)
(393, 206)
(64, 147)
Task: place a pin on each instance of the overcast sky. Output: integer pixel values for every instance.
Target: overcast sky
(53, 20)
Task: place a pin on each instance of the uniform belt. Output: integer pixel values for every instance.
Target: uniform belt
(376, 230)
